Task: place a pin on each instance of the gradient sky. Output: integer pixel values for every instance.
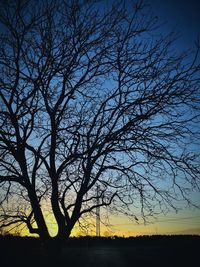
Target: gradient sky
(184, 17)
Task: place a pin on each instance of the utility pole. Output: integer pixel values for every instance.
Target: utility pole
(97, 213)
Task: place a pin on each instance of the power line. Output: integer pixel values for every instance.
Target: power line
(97, 214)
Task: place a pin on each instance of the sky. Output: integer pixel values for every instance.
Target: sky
(184, 17)
(181, 15)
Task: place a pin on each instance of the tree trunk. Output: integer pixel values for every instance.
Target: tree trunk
(69, 229)
(38, 215)
(60, 218)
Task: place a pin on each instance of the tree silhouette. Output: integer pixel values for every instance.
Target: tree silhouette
(92, 95)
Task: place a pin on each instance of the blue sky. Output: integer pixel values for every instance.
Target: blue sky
(182, 15)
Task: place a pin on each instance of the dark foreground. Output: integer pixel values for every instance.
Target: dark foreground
(162, 251)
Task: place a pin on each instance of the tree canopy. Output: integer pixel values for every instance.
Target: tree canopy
(93, 95)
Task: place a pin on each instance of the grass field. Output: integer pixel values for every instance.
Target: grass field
(163, 251)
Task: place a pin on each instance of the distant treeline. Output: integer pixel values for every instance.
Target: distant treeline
(113, 240)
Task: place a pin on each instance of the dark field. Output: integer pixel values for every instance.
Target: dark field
(163, 251)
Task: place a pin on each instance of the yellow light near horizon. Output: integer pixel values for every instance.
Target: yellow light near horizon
(122, 226)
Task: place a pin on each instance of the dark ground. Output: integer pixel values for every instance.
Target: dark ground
(162, 251)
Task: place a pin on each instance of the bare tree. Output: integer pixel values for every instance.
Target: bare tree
(93, 96)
